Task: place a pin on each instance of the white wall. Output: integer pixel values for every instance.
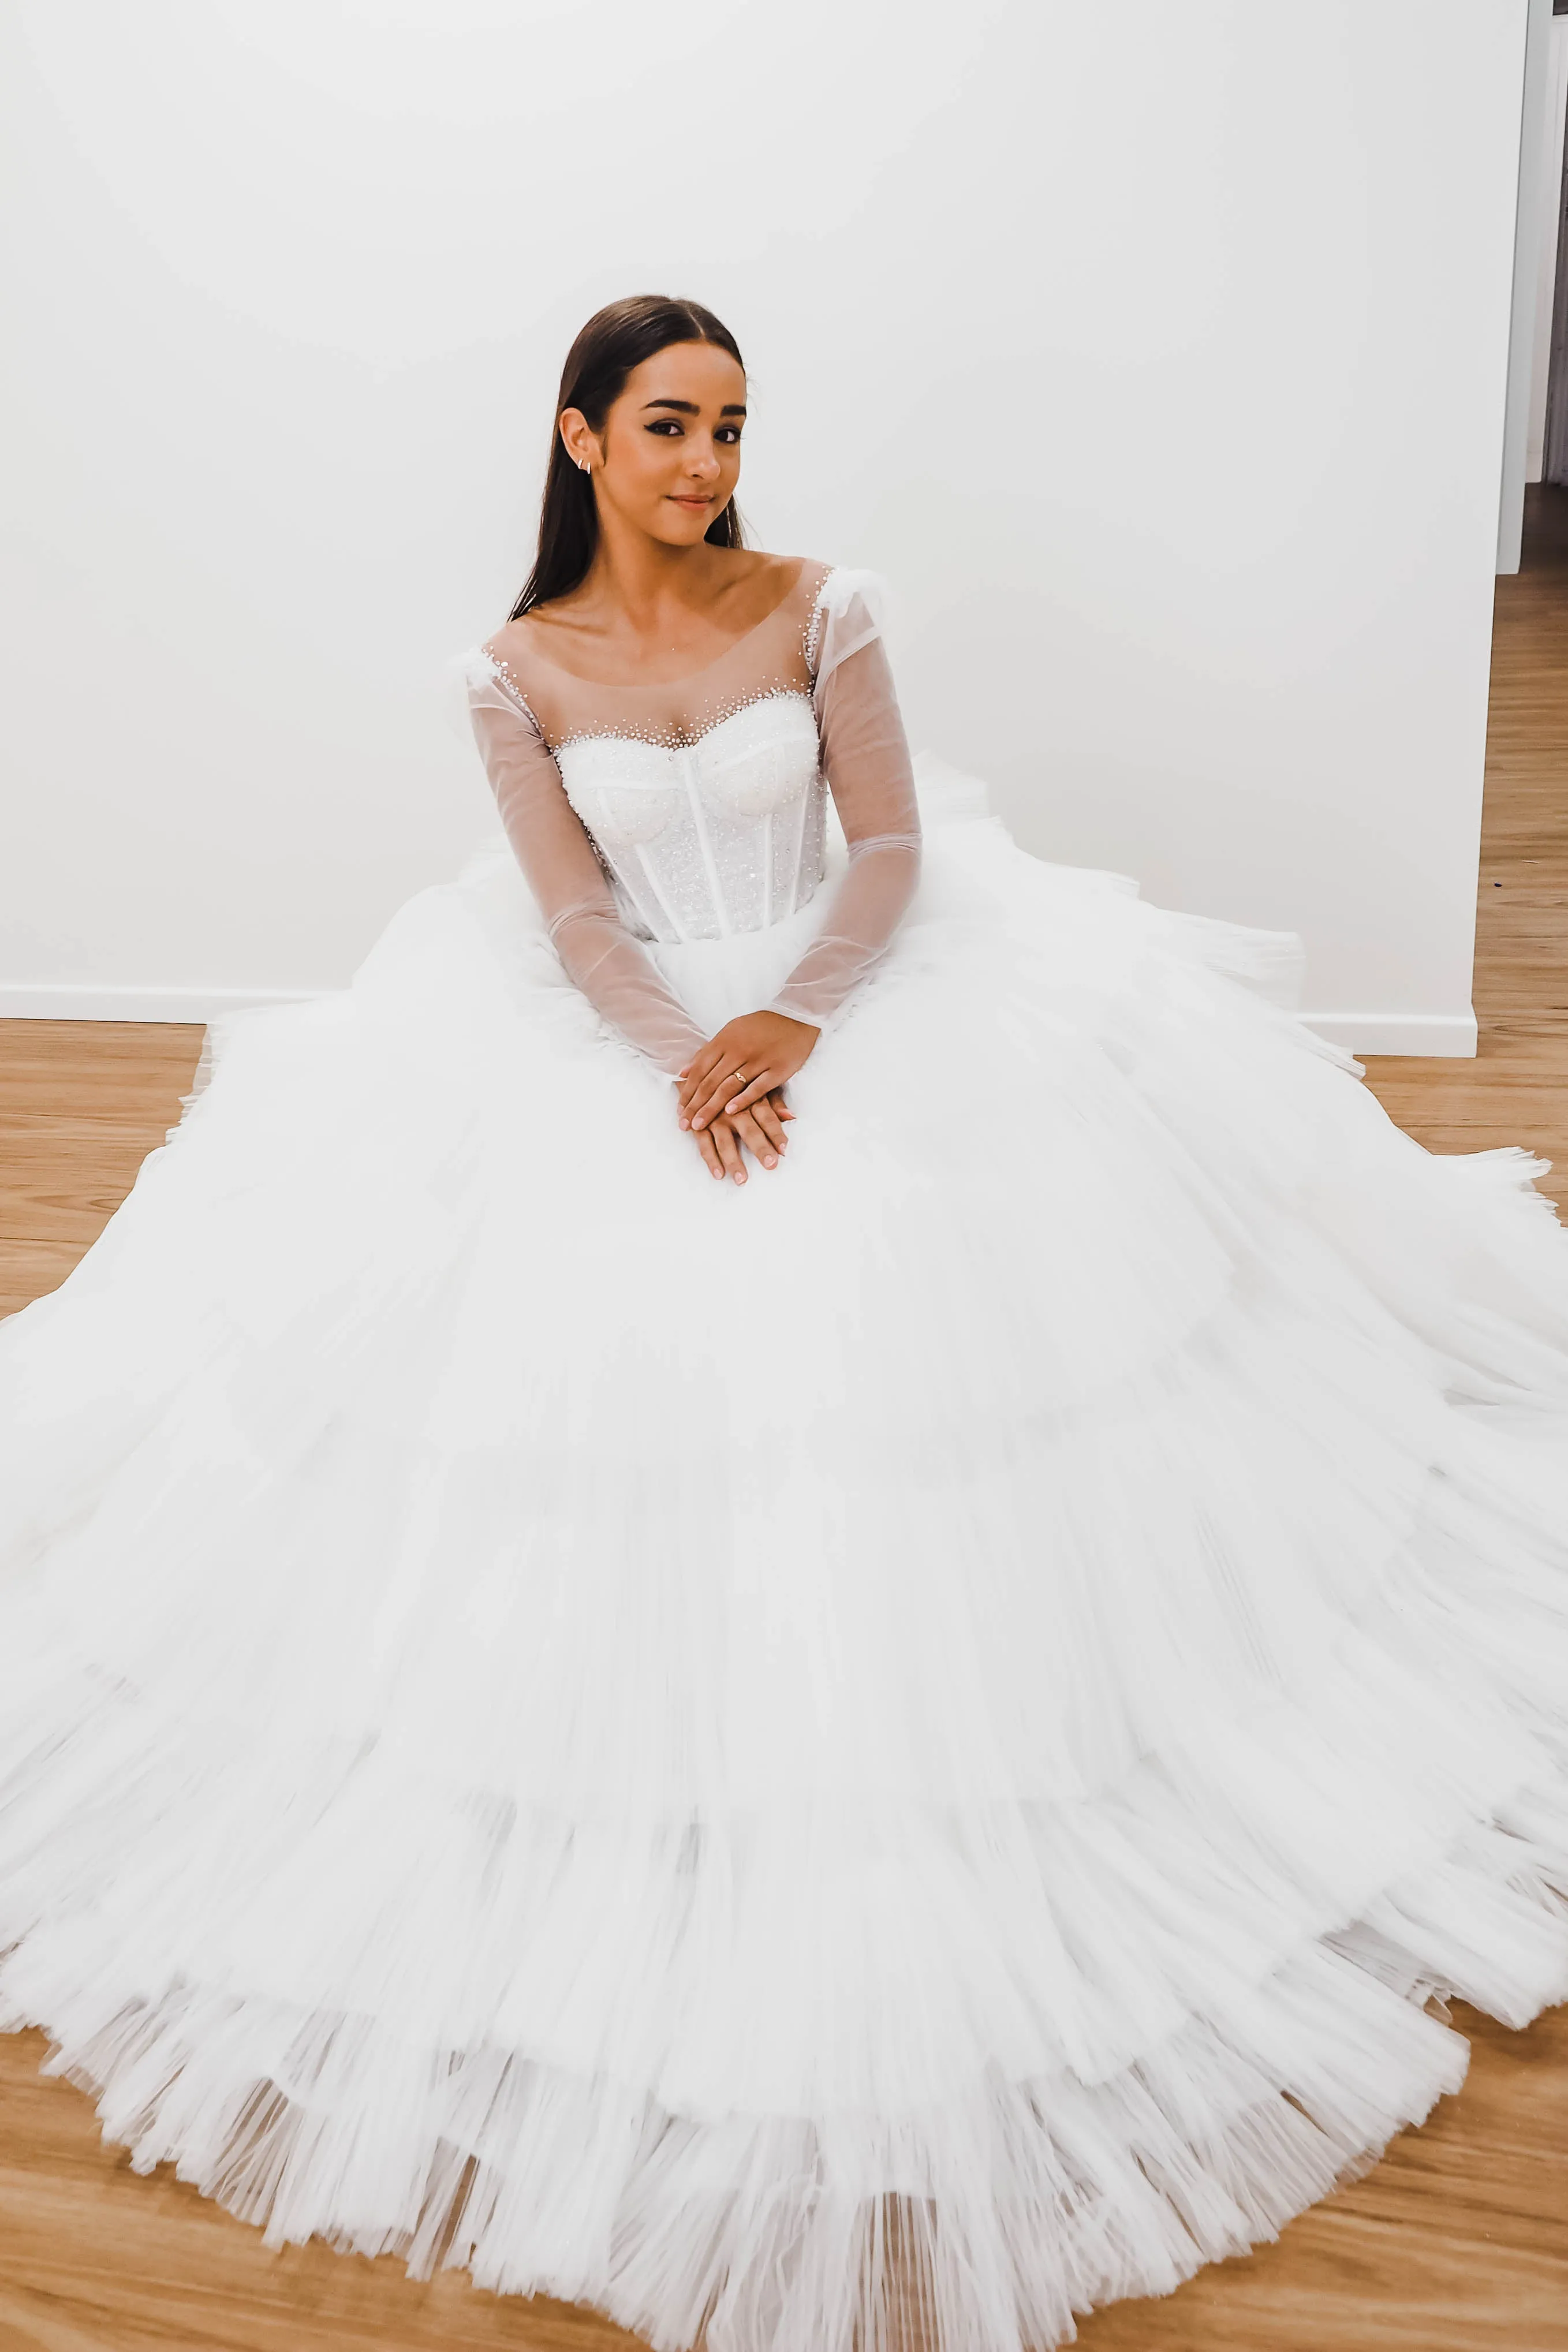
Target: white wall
(1172, 411)
(1533, 96)
(1550, 206)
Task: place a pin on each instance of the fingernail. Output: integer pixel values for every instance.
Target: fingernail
(698, 1122)
(769, 1162)
(684, 1125)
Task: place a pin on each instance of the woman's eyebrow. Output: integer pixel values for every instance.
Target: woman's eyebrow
(689, 407)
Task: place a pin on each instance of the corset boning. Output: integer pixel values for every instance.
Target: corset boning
(707, 838)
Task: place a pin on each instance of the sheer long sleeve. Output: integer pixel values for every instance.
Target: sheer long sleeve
(569, 883)
(866, 758)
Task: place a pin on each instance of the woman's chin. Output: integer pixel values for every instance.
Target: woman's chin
(680, 526)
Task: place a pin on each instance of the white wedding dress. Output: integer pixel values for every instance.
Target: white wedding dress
(868, 1761)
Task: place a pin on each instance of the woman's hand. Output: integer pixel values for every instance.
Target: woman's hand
(761, 1130)
(749, 1059)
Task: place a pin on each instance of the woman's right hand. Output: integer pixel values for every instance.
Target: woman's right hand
(761, 1130)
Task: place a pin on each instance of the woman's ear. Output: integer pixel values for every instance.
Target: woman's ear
(580, 442)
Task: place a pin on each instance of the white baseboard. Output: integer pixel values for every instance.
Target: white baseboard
(45, 1001)
(1451, 1035)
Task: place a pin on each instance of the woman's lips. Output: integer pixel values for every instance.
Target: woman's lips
(682, 500)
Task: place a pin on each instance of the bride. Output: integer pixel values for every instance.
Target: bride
(800, 1586)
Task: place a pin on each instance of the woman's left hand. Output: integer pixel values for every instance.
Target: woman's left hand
(747, 1059)
(761, 1130)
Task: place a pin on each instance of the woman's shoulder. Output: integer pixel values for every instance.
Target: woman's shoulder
(806, 572)
(754, 581)
(789, 586)
(532, 630)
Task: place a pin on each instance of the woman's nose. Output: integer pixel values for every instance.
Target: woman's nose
(704, 462)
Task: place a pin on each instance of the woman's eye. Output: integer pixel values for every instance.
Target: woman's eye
(669, 425)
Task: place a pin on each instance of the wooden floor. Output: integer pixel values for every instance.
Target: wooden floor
(1457, 2242)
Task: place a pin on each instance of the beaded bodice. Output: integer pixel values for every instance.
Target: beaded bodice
(701, 839)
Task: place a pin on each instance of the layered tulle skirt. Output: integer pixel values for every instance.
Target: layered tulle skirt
(862, 1762)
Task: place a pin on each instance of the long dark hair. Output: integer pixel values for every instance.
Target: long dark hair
(616, 339)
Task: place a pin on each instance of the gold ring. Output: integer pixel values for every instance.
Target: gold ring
(740, 1077)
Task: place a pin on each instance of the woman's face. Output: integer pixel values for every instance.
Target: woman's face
(669, 454)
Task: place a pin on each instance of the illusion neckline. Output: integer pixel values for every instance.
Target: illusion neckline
(665, 685)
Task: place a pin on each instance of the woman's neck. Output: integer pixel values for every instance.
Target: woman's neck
(644, 580)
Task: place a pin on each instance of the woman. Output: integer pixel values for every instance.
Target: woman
(869, 1753)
